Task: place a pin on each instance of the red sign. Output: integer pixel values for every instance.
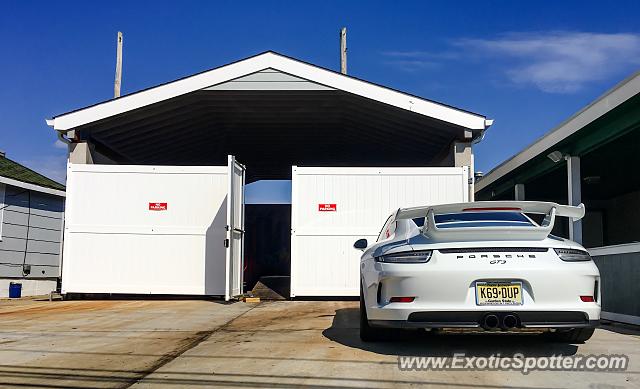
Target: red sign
(327, 208)
(157, 206)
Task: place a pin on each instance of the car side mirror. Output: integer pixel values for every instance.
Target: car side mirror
(360, 244)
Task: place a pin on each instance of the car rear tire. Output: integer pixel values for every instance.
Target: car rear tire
(575, 335)
(368, 333)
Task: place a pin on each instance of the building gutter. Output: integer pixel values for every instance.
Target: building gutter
(487, 123)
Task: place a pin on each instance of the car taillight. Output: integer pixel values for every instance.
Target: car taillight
(572, 255)
(587, 299)
(422, 256)
(402, 299)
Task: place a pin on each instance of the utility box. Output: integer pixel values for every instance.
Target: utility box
(154, 229)
(332, 207)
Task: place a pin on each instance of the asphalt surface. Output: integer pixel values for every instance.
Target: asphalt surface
(288, 344)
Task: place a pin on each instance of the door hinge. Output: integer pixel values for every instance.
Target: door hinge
(226, 243)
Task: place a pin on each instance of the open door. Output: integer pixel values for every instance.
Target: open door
(142, 229)
(235, 229)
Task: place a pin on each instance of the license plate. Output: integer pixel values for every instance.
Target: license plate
(499, 293)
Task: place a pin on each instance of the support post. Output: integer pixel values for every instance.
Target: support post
(463, 156)
(575, 195)
(80, 153)
(343, 50)
(118, 80)
(472, 176)
(519, 192)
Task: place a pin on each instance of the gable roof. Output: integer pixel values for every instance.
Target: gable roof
(12, 173)
(261, 62)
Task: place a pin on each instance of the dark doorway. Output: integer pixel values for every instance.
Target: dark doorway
(267, 253)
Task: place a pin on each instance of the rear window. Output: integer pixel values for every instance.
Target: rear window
(479, 219)
(419, 221)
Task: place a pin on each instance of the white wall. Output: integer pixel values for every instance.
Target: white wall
(30, 287)
(323, 260)
(115, 244)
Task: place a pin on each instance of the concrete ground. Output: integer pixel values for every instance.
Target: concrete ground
(309, 344)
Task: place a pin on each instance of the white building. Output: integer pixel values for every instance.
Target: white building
(347, 144)
(31, 219)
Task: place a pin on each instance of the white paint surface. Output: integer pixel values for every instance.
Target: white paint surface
(323, 260)
(30, 287)
(235, 230)
(115, 244)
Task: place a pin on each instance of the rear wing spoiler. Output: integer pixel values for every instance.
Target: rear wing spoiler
(550, 210)
(540, 207)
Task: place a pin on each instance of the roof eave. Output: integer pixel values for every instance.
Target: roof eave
(69, 121)
(611, 99)
(29, 186)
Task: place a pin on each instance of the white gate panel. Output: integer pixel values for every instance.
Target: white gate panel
(333, 207)
(235, 229)
(145, 229)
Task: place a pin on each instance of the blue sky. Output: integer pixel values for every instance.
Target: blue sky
(528, 65)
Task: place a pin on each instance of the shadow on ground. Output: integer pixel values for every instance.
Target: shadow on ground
(345, 330)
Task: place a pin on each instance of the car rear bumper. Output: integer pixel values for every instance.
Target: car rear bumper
(475, 319)
(550, 288)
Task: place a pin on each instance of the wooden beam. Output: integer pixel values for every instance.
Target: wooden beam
(574, 183)
(519, 192)
(118, 81)
(343, 50)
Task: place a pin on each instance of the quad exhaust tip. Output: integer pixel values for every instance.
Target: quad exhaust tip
(509, 321)
(492, 321)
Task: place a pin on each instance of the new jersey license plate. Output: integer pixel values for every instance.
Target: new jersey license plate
(499, 293)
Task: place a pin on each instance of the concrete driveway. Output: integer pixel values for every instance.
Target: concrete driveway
(286, 344)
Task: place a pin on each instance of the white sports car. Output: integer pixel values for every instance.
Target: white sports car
(484, 265)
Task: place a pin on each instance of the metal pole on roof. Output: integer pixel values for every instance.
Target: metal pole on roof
(343, 50)
(118, 81)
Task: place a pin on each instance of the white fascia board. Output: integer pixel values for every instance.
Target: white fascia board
(37, 188)
(379, 93)
(610, 100)
(625, 248)
(157, 94)
(260, 62)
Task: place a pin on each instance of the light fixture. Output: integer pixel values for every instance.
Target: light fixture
(591, 180)
(555, 156)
